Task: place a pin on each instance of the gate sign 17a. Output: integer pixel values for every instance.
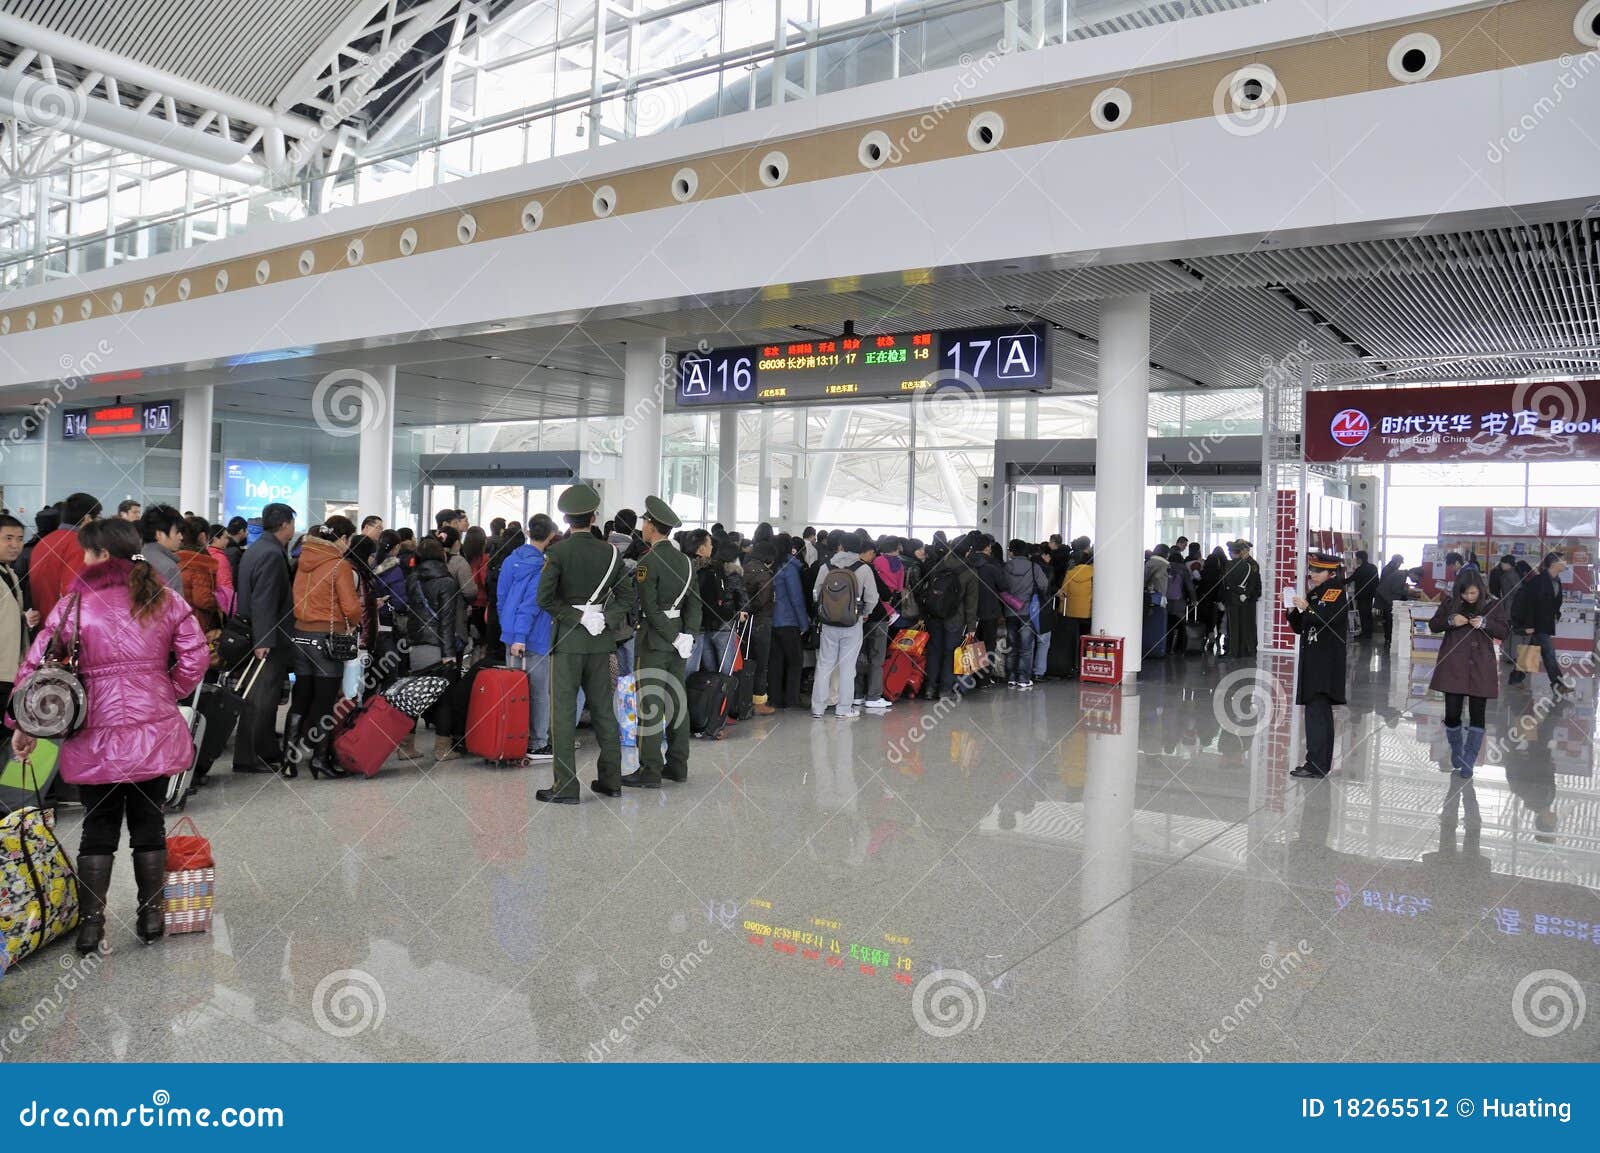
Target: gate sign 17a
(850, 367)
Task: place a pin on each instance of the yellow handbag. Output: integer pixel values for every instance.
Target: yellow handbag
(38, 891)
(1529, 658)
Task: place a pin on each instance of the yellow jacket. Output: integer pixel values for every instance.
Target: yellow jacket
(1077, 590)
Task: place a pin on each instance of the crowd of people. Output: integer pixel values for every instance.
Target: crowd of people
(1215, 595)
(154, 604)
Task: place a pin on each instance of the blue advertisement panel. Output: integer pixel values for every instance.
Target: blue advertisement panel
(247, 485)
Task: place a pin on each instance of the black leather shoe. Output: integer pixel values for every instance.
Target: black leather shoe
(1306, 772)
(257, 767)
(675, 780)
(606, 790)
(549, 796)
(637, 780)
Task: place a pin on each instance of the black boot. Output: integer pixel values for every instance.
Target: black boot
(94, 878)
(294, 750)
(149, 877)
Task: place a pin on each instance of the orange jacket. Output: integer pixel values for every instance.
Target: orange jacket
(326, 598)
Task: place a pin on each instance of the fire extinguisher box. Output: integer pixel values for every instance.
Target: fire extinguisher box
(1100, 660)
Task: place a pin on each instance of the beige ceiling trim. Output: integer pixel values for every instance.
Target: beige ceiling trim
(1511, 34)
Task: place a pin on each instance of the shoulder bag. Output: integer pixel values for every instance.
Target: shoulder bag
(52, 704)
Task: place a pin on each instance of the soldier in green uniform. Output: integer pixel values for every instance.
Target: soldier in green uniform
(585, 589)
(669, 620)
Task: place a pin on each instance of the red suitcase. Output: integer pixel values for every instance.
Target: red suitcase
(497, 715)
(371, 736)
(903, 673)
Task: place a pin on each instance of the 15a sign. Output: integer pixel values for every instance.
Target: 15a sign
(1538, 420)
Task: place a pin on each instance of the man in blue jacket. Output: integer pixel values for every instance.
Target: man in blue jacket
(525, 629)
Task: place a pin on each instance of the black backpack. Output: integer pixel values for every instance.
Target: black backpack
(941, 594)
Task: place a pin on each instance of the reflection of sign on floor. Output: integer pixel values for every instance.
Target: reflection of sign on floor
(822, 943)
(1100, 709)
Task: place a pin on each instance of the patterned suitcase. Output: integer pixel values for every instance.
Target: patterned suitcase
(497, 715)
(371, 736)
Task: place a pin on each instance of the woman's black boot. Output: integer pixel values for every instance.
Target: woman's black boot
(294, 749)
(94, 878)
(150, 877)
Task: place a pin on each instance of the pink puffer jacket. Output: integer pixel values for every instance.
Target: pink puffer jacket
(134, 730)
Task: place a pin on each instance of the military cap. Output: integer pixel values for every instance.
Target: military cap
(579, 500)
(661, 512)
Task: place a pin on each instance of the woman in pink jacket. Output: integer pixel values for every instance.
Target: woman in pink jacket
(131, 629)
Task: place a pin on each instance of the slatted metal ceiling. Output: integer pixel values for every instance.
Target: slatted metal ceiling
(247, 48)
(1143, 16)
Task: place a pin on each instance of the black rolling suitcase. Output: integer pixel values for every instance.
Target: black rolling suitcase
(711, 694)
(220, 707)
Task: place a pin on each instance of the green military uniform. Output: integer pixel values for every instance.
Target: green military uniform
(575, 575)
(670, 605)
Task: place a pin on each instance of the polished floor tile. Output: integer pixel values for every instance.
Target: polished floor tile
(1093, 874)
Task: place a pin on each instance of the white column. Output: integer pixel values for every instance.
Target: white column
(727, 468)
(764, 469)
(638, 439)
(194, 469)
(1120, 471)
(375, 460)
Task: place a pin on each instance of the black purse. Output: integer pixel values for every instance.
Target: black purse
(52, 703)
(235, 643)
(339, 647)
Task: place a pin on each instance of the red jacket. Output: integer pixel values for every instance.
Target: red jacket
(56, 562)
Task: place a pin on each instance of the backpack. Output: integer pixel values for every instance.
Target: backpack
(1175, 586)
(943, 594)
(839, 603)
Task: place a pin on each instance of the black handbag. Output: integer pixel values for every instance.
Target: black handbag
(338, 646)
(52, 703)
(235, 643)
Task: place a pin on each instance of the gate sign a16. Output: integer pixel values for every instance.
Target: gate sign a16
(1534, 420)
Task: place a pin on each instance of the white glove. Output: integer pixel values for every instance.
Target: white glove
(684, 643)
(594, 619)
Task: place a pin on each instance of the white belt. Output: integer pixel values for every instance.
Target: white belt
(584, 607)
(672, 614)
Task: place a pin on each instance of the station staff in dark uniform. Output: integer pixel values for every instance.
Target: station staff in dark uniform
(585, 589)
(1241, 589)
(669, 618)
(1322, 618)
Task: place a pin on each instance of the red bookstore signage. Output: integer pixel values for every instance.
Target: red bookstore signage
(1542, 420)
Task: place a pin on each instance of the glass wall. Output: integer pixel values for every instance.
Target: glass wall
(1414, 493)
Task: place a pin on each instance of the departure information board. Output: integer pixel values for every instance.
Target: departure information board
(136, 418)
(1013, 359)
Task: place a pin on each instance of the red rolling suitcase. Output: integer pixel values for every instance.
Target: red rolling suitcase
(367, 741)
(497, 715)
